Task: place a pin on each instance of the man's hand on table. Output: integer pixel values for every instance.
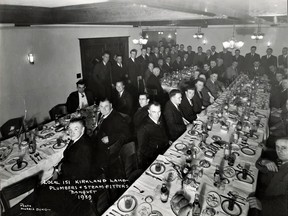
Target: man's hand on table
(254, 203)
(105, 140)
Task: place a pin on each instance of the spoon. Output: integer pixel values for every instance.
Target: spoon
(175, 155)
(140, 191)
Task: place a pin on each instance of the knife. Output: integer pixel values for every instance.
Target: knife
(33, 159)
(153, 176)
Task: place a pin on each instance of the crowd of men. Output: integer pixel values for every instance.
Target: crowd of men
(131, 102)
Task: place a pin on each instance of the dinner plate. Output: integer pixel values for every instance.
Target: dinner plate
(62, 145)
(248, 151)
(237, 210)
(180, 146)
(193, 133)
(204, 163)
(249, 179)
(49, 135)
(16, 168)
(157, 168)
(144, 209)
(122, 203)
(209, 212)
(213, 199)
(5, 151)
(229, 172)
(235, 147)
(216, 138)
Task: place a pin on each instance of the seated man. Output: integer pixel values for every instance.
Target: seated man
(152, 138)
(142, 112)
(186, 105)
(80, 98)
(175, 122)
(177, 64)
(202, 97)
(274, 200)
(214, 86)
(112, 129)
(76, 164)
(123, 100)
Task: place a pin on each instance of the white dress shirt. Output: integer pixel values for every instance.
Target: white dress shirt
(83, 102)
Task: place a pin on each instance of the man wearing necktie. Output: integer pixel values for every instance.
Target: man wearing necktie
(119, 71)
(283, 59)
(186, 105)
(268, 60)
(251, 57)
(80, 98)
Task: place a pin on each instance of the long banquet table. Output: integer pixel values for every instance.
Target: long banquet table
(145, 191)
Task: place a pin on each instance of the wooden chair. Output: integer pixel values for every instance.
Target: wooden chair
(9, 193)
(11, 127)
(60, 110)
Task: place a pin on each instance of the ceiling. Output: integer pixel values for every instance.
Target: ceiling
(143, 12)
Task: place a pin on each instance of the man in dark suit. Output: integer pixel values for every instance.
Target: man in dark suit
(206, 70)
(268, 60)
(123, 101)
(112, 129)
(80, 98)
(177, 64)
(77, 164)
(214, 54)
(102, 78)
(197, 99)
(142, 112)
(186, 105)
(152, 138)
(240, 59)
(227, 57)
(156, 55)
(181, 51)
(133, 71)
(283, 59)
(256, 70)
(142, 60)
(160, 66)
(175, 122)
(280, 99)
(185, 61)
(251, 57)
(119, 71)
(208, 57)
(149, 54)
(191, 55)
(199, 57)
(276, 89)
(167, 67)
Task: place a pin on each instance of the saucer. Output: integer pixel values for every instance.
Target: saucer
(121, 203)
(156, 172)
(23, 165)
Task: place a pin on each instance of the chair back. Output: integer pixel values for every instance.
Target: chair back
(128, 157)
(17, 191)
(152, 92)
(11, 127)
(60, 110)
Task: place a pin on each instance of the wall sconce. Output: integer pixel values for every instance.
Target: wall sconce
(31, 58)
(268, 44)
(204, 41)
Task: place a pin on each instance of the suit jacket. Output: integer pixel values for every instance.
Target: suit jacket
(174, 121)
(102, 80)
(140, 115)
(214, 56)
(124, 104)
(227, 58)
(119, 73)
(186, 62)
(283, 61)
(199, 59)
(73, 100)
(133, 72)
(153, 82)
(177, 66)
(230, 74)
(173, 56)
(167, 68)
(214, 88)
(266, 62)
(206, 97)
(252, 72)
(152, 139)
(115, 127)
(241, 62)
(249, 59)
(187, 109)
(181, 53)
(150, 58)
(143, 64)
(197, 102)
(77, 160)
(155, 58)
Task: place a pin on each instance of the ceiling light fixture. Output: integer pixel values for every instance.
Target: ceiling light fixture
(199, 34)
(141, 41)
(233, 43)
(258, 35)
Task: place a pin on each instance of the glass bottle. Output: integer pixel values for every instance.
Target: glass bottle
(164, 193)
(217, 176)
(196, 211)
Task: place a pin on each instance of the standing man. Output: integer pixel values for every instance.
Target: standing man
(268, 60)
(199, 57)
(251, 57)
(118, 71)
(214, 54)
(227, 57)
(102, 78)
(283, 59)
(240, 59)
(152, 138)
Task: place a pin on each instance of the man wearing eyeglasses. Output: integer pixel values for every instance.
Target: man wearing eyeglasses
(80, 98)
